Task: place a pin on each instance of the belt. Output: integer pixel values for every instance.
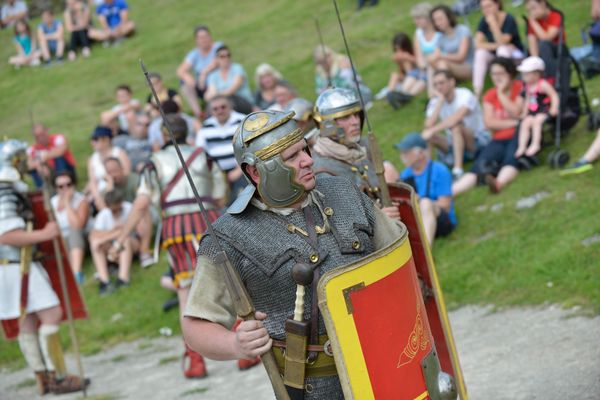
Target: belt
(4, 261)
(324, 364)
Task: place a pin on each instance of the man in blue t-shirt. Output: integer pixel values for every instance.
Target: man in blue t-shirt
(115, 24)
(432, 181)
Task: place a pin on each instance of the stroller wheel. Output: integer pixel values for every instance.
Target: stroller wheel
(558, 158)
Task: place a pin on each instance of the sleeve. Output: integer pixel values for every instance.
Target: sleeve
(490, 96)
(9, 216)
(191, 57)
(444, 181)
(554, 19)
(431, 107)
(123, 6)
(209, 298)
(386, 230)
(149, 185)
(59, 140)
(212, 78)
(405, 174)
(483, 26)
(219, 182)
(101, 221)
(510, 26)
(467, 99)
(200, 139)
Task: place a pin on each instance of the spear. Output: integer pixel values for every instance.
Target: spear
(240, 297)
(374, 149)
(328, 70)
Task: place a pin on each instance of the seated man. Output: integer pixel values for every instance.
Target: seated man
(116, 179)
(456, 112)
(48, 154)
(123, 112)
(155, 130)
(50, 37)
(107, 227)
(136, 144)
(433, 183)
(113, 16)
(12, 11)
(216, 137)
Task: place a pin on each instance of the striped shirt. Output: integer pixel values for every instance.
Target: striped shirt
(217, 139)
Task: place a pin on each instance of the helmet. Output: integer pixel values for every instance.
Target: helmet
(13, 160)
(301, 107)
(336, 103)
(259, 141)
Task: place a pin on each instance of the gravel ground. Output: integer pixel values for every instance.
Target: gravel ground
(524, 353)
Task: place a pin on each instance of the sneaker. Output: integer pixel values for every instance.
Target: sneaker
(121, 283)
(577, 168)
(382, 93)
(71, 56)
(457, 172)
(146, 260)
(85, 52)
(105, 288)
(170, 304)
(79, 278)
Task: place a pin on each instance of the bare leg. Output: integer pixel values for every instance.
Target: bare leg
(394, 81)
(99, 257)
(429, 213)
(536, 135)
(60, 48)
(417, 87)
(593, 152)
(44, 47)
(506, 175)
(76, 256)
(191, 97)
(464, 183)
(462, 138)
(144, 231)
(524, 134)
(125, 257)
(390, 172)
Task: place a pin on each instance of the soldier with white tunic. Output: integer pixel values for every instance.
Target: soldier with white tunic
(25, 289)
(284, 218)
(163, 184)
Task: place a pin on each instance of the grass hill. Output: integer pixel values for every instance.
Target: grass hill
(498, 254)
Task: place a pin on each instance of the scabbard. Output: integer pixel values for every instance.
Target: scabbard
(297, 333)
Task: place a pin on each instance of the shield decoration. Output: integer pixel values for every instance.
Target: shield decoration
(406, 198)
(48, 260)
(377, 325)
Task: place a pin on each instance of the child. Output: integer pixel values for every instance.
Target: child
(426, 39)
(541, 101)
(50, 37)
(27, 54)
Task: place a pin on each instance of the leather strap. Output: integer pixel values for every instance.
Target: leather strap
(281, 344)
(178, 175)
(314, 311)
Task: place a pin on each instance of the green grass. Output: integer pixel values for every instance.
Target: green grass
(522, 250)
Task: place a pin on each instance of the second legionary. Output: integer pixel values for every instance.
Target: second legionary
(286, 220)
(26, 293)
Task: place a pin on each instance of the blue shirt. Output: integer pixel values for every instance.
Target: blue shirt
(440, 183)
(24, 41)
(112, 12)
(214, 78)
(200, 61)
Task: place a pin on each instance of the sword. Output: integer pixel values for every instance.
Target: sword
(374, 149)
(328, 71)
(241, 300)
(63, 282)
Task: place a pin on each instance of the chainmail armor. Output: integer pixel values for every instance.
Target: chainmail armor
(263, 251)
(361, 173)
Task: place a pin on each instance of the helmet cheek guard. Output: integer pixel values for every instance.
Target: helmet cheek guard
(277, 186)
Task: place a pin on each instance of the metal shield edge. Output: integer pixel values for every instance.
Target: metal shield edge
(435, 283)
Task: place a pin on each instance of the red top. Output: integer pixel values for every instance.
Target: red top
(57, 139)
(491, 96)
(553, 19)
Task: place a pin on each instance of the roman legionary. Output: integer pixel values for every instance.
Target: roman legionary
(26, 293)
(286, 217)
(164, 184)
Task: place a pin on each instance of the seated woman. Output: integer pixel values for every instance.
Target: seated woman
(497, 35)
(455, 51)
(27, 52)
(265, 78)
(334, 70)
(72, 216)
(229, 79)
(426, 39)
(103, 149)
(408, 80)
(77, 22)
(164, 93)
(502, 106)
(543, 36)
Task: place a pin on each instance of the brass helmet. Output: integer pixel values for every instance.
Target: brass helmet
(13, 160)
(336, 103)
(259, 141)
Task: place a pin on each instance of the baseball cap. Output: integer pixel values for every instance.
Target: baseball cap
(411, 141)
(531, 64)
(101, 131)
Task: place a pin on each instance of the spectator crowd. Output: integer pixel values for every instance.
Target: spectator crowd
(474, 136)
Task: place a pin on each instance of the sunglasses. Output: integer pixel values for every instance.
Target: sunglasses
(224, 55)
(64, 185)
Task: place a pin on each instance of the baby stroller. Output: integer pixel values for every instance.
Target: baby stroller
(574, 101)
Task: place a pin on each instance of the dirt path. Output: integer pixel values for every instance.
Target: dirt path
(532, 353)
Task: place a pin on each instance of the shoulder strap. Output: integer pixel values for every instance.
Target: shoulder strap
(179, 174)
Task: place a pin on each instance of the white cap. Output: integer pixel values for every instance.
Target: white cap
(531, 64)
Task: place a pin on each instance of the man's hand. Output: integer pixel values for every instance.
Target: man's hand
(251, 338)
(392, 212)
(50, 231)
(427, 133)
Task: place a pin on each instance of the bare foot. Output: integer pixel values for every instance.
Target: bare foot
(519, 152)
(492, 183)
(532, 150)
